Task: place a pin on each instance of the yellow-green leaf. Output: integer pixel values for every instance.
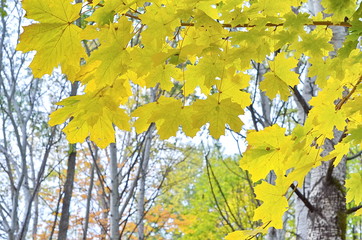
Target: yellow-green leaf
(221, 112)
(280, 77)
(55, 38)
(354, 188)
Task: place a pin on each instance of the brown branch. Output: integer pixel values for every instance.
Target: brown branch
(300, 99)
(354, 156)
(303, 198)
(354, 209)
(345, 99)
(245, 25)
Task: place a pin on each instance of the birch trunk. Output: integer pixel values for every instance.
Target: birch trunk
(142, 182)
(115, 217)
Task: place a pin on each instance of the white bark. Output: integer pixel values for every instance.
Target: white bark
(114, 208)
(142, 184)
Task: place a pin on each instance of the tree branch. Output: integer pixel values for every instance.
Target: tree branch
(245, 25)
(354, 209)
(303, 198)
(345, 99)
(213, 194)
(354, 156)
(301, 100)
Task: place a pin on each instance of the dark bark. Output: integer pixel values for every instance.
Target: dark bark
(68, 190)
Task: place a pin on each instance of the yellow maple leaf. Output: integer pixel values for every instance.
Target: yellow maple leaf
(206, 71)
(323, 117)
(232, 86)
(280, 77)
(274, 202)
(55, 39)
(168, 114)
(270, 7)
(221, 112)
(266, 151)
(162, 74)
(251, 49)
(354, 188)
(92, 115)
(111, 59)
(358, 212)
(164, 24)
(245, 234)
(105, 14)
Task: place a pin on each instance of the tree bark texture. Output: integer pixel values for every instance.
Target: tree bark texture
(328, 221)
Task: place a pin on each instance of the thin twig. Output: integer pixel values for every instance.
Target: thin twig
(354, 156)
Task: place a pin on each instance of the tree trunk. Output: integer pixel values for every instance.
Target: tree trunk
(326, 192)
(142, 184)
(69, 182)
(144, 168)
(328, 221)
(115, 217)
(89, 197)
(68, 190)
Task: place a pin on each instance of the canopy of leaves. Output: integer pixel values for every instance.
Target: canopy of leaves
(205, 46)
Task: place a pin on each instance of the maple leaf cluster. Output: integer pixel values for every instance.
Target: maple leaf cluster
(205, 45)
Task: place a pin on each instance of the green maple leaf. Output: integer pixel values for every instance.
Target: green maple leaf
(296, 22)
(315, 44)
(339, 9)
